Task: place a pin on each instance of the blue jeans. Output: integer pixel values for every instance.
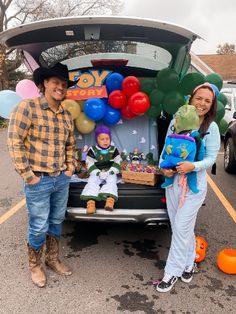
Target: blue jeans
(46, 202)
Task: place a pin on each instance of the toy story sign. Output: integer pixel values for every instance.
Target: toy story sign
(90, 85)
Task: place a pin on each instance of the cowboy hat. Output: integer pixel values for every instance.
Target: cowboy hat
(58, 70)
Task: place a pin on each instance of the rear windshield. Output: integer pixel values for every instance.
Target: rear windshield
(150, 56)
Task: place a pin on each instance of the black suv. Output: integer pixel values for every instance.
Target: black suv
(129, 46)
(230, 147)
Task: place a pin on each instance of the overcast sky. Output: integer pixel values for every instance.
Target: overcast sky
(214, 20)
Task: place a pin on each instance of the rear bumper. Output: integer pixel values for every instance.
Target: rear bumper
(136, 203)
(119, 215)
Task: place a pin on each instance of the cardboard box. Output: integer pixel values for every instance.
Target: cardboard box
(139, 177)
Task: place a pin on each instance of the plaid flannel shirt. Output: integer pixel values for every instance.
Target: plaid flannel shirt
(40, 139)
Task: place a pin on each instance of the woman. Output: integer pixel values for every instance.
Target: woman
(180, 261)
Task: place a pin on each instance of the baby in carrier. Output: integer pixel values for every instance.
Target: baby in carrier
(184, 144)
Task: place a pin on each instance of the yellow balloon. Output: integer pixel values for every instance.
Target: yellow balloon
(72, 106)
(81, 104)
(83, 124)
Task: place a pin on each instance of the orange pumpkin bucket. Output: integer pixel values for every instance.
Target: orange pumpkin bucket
(201, 246)
(226, 261)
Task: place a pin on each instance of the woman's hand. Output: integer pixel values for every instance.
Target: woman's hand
(168, 172)
(184, 167)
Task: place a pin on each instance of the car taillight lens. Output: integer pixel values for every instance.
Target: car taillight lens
(163, 200)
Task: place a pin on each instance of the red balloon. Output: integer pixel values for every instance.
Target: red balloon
(117, 99)
(127, 114)
(130, 85)
(139, 103)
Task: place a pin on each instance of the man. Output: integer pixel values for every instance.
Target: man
(41, 143)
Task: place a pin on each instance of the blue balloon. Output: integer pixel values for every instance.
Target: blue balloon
(105, 100)
(8, 100)
(112, 116)
(114, 82)
(216, 89)
(95, 108)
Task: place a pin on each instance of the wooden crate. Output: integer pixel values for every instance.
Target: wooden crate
(139, 177)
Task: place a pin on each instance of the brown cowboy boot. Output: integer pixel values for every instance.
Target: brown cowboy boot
(109, 204)
(52, 257)
(38, 275)
(91, 208)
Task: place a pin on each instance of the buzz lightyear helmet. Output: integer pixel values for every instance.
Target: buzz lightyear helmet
(186, 118)
(102, 129)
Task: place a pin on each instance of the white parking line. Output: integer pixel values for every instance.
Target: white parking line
(222, 198)
(12, 211)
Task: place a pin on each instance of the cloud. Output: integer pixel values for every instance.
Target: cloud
(161, 10)
(213, 19)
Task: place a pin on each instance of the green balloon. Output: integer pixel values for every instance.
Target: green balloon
(220, 111)
(167, 80)
(154, 111)
(222, 98)
(215, 79)
(190, 81)
(147, 86)
(156, 97)
(172, 101)
(223, 125)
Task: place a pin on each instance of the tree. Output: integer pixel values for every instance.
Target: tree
(16, 12)
(226, 49)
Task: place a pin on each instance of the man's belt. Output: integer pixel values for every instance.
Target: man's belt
(45, 174)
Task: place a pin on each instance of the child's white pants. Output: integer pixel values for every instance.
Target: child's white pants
(92, 188)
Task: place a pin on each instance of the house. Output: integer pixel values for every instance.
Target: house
(224, 65)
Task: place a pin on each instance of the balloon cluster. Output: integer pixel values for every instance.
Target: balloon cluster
(167, 92)
(127, 97)
(124, 100)
(25, 89)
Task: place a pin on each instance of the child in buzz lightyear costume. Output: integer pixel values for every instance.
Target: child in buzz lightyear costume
(103, 163)
(184, 144)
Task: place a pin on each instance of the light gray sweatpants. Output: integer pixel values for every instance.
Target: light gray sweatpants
(182, 250)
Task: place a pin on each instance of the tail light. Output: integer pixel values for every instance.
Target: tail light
(163, 200)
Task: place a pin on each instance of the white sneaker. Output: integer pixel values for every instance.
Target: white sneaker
(166, 283)
(187, 275)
